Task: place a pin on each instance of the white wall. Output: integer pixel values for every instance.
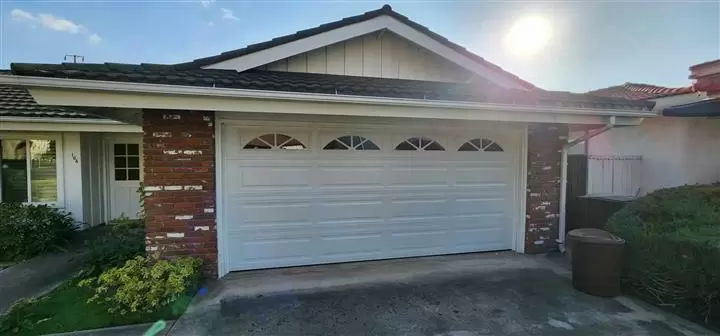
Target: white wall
(703, 150)
(675, 151)
(377, 54)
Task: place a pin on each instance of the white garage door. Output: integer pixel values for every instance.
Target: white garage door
(312, 194)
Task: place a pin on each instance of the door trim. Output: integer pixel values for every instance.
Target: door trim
(107, 141)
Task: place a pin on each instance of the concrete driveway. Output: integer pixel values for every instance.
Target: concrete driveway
(472, 294)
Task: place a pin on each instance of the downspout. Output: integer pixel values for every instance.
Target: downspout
(563, 176)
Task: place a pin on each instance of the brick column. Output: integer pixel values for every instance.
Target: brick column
(545, 143)
(179, 180)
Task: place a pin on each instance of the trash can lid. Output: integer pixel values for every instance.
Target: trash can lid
(595, 236)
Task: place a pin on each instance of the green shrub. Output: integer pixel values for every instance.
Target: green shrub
(122, 240)
(19, 317)
(673, 249)
(146, 284)
(27, 231)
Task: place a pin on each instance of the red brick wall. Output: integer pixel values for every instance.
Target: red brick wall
(179, 163)
(545, 143)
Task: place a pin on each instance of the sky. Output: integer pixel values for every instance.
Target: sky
(593, 44)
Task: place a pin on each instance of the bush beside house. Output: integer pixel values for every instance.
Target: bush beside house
(28, 231)
(117, 286)
(673, 250)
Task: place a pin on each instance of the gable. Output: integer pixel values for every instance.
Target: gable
(381, 21)
(380, 54)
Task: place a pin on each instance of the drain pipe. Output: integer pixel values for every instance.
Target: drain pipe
(563, 176)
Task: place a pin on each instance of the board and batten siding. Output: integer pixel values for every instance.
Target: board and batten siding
(383, 55)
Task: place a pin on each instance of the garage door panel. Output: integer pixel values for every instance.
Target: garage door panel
(479, 176)
(474, 236)
(419, 176)
(314, 206)
(479, 205)
(350, 210)
(480, 220)
(264, 176)
(275, 212)
(409, 208)
(350, 176)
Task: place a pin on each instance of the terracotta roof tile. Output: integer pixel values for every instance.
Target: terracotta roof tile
(634, 91)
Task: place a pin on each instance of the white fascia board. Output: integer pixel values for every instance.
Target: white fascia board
(63, 120)
(54, 125)
(79, 92)
(293, 48)
(379, 23)
(450, 54)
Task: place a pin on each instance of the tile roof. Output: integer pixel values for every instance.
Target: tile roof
(385, 10)
(17, 102)
(322, 83)
(634, 91)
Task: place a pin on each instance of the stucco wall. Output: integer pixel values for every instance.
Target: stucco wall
(675, 151)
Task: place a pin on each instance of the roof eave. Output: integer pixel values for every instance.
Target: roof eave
(129, 87)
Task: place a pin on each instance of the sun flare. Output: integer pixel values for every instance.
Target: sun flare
(528, 35)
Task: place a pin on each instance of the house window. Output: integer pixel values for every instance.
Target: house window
(28, 170)
(353, 142)
(480, 145)
(419, 144)
(127, 162)
(274, 141)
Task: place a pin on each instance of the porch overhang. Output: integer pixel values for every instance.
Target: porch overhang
(35, 124)
(94, 93)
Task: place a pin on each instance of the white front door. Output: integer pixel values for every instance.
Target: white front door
(124, 176)
(314, 194)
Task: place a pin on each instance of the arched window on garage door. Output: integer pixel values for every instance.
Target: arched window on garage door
(274, 141)
(351, 142)
(419, 144)
(480, 145)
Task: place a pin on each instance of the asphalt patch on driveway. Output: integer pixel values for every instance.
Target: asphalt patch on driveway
(511, 302)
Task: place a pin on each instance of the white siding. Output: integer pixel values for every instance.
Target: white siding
(72, 168)
(93, 178)
(383, 55)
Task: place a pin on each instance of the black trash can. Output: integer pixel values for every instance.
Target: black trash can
(597, 261)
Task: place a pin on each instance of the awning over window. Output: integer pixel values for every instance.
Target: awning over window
(704, 108)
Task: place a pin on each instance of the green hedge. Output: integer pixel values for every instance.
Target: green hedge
(27, 231)
(673, 250)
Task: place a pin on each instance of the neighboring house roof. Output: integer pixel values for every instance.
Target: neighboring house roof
(705, 64)
(385, 10)
(17, 102)
(322, 83)
(634, 91)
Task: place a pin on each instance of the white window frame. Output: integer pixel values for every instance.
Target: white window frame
(59, 164)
